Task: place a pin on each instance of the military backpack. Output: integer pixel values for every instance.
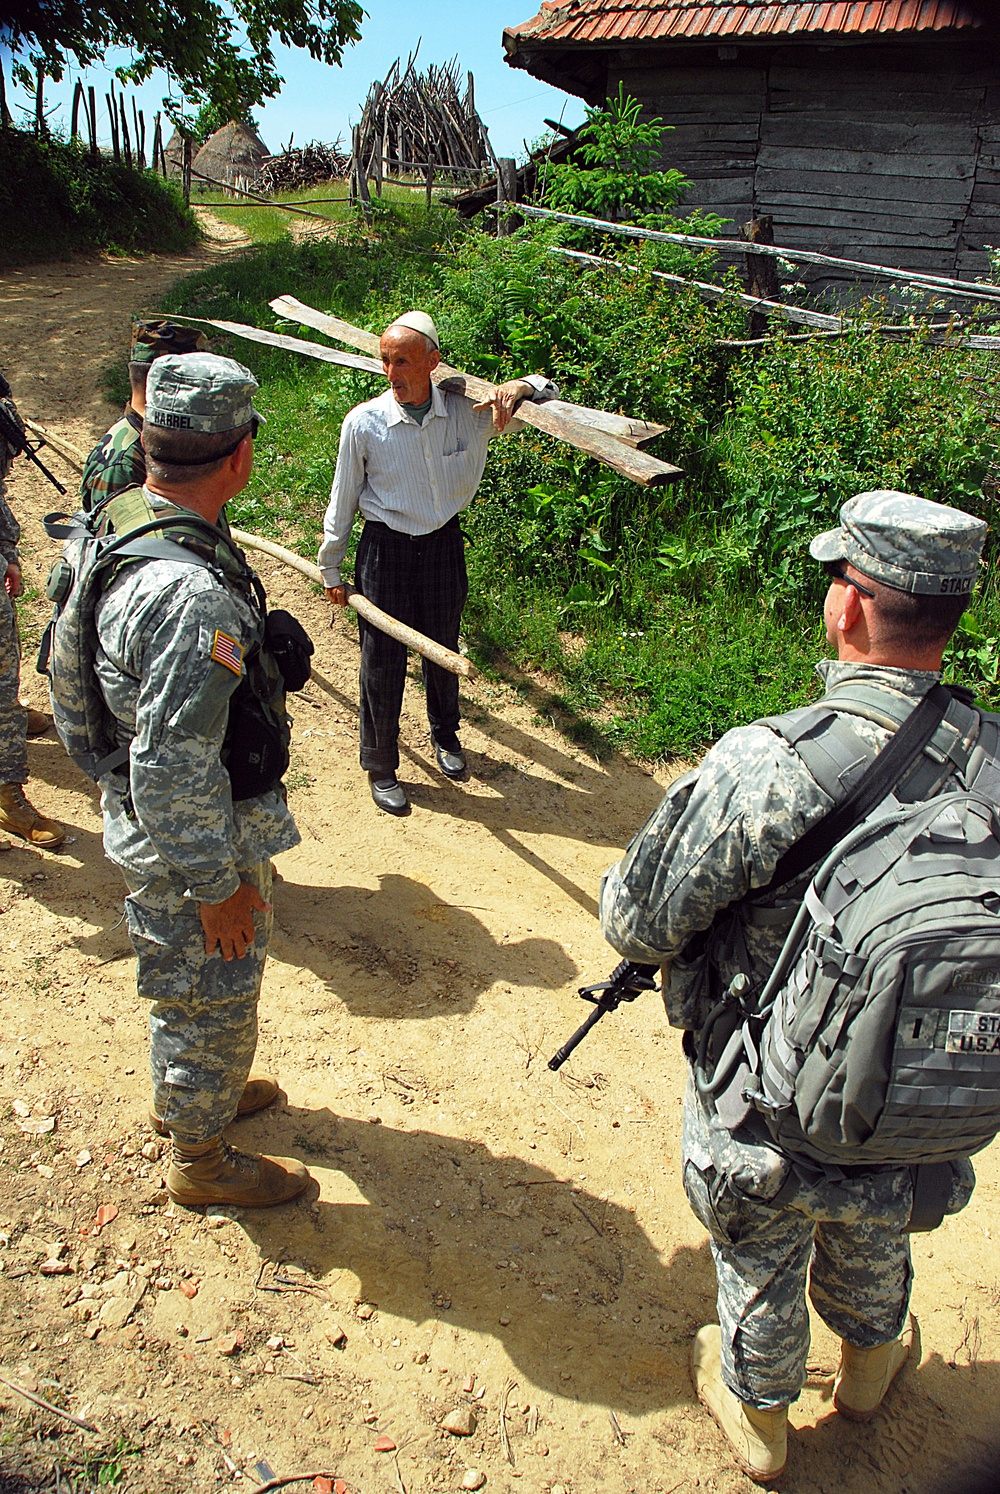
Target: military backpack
(126, 530)
(875, 1041)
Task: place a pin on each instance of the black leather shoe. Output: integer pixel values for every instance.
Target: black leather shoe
(389, 795)
(451, 760)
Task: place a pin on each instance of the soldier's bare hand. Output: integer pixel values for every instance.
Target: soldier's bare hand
(13, 585)
(230, 924)
(337, 595)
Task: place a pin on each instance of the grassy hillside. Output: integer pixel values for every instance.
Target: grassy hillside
(665, 616)
(55, 198)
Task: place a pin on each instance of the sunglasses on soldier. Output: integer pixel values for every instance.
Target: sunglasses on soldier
(835, 570)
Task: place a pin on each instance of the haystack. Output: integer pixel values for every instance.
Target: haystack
(232, 155)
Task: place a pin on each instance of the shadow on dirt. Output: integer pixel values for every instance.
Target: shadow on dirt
(401, 951)
(919, 1443)
(570, 1283)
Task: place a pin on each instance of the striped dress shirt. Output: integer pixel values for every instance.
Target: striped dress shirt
(412, 477)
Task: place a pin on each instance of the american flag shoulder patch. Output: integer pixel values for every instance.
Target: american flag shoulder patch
(227, 651)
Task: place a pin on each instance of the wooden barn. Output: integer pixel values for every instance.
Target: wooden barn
(868, 129)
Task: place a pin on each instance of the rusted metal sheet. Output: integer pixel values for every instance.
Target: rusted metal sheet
(620, 21)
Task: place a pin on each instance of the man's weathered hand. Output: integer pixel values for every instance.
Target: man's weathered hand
(13, 585)
(504, 401)
(230, 924)
(337, 595)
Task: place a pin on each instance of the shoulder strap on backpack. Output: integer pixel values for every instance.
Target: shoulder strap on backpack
(879, 779)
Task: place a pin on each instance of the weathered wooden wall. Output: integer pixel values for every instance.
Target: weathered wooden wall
(884, 151)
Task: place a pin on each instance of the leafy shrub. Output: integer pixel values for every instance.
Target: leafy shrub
(647, 605)
(812, 424)
(54, 199)
(615, 176)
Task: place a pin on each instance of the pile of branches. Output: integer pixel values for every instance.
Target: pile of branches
(308, 166)
(412, 120)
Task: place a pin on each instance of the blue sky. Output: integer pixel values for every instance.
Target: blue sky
(319, 103)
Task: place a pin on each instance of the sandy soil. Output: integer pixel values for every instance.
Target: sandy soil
(423, 971)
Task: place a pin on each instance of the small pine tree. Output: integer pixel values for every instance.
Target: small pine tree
(614, 177)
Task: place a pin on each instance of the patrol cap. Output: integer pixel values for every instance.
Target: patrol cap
(152, 339)
(417, 321)
(200, 392)
(906, 542)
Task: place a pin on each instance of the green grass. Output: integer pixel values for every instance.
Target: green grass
(268, 225)
(664, 617)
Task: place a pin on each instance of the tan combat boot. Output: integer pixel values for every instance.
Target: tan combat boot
(257, 1095)
(38, 722)
(211, 1172)
(865, 1375)
(18, 817)
(759, 1439)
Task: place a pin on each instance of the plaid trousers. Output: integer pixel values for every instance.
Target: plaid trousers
(421, 580)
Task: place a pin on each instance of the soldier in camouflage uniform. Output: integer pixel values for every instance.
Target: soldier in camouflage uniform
(172, 639)
(901, 570)
(117, 461)
(17, 815)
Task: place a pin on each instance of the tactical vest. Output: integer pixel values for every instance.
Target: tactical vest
(127, 530)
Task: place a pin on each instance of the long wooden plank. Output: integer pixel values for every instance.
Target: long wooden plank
(638, 465)
(288, 344)
(904, 140)
(436, 652)
(816, 158)
(711, 292)
(860, 186)
(774, 251)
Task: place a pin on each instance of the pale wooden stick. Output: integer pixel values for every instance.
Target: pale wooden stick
(69, 453)
(29, 1395)
(436, 652)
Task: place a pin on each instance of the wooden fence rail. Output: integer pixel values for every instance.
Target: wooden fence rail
(971, 290)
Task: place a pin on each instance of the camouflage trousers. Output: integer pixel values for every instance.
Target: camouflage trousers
(846, 1237)
(203, 1018)
(13, 721)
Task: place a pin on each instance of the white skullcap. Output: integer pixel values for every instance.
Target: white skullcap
(419, 321)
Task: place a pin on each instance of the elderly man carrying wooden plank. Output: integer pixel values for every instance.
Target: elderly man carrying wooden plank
(411, 461)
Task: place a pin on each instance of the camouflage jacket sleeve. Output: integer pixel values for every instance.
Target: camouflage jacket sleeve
(719, 832)
(180, 790)
(10, 529)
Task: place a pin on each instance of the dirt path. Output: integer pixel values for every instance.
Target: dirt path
(423, 971)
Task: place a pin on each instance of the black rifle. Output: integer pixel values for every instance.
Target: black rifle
(626, 981)
(17, 441)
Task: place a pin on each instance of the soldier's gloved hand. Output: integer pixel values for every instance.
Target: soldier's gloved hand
(230, 924)
(12, 582)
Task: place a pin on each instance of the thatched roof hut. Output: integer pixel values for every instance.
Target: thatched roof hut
(173, 153)
(232, 155)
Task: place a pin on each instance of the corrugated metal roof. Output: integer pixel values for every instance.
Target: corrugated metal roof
(564, 21)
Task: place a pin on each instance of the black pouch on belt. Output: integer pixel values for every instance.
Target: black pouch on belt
(291, 646)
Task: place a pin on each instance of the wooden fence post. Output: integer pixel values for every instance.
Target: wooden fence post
(506, 192)
(140, 136)
(113, 117)
(360, 168)
(762, 271)
(126, 141)
(186, 173)
(157, 150)
(74, 123)
(41, 130)
(501, 202)
(92, 121)
(430, 183)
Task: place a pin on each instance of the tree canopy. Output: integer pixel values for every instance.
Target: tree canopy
(216, 53)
